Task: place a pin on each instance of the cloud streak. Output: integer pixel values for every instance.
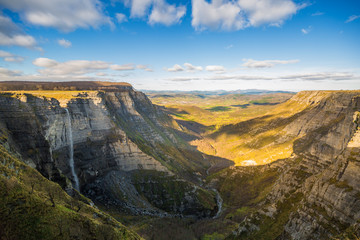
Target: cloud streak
(9, 57)
(317, 14)
(124, 67)
(306, 30)
(250, 63)
(9, 73)
(215, 68)
(73, 67)
(77, 68)
(314, 77)
(352, 18)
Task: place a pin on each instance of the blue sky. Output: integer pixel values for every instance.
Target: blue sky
(184, 45)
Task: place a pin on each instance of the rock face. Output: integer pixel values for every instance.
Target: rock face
(116, 135)
(317, 195)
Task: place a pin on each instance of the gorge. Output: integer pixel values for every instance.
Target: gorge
(101, 153)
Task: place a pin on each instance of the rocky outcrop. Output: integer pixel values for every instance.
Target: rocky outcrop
(114, 133)
(317, 194)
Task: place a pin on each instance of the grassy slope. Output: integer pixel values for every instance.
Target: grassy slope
(32, 207)
(226, 117)
(218, 110)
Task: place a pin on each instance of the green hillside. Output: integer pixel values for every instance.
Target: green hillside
(32, 207)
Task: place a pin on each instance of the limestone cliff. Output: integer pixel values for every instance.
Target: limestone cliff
(115, 134)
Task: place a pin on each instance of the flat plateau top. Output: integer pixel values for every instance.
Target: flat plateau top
(63, 86)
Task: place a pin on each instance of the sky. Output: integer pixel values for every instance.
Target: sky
(184, 45)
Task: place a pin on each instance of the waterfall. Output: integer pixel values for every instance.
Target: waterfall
(71, 151)
(219, 202)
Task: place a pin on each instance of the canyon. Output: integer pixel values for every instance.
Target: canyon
(290, 172)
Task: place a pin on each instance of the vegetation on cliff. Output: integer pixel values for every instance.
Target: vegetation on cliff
(32, 207)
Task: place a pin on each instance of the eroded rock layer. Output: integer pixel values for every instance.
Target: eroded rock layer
(116, 135)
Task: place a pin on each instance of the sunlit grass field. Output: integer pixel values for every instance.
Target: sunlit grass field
(59, 95)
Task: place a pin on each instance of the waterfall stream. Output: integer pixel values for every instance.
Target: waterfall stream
(71, 151)
(219, 202)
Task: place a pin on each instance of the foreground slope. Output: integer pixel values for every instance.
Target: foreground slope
(32, 207)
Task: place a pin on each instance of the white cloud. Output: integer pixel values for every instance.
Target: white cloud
(5, 54)
(9, 57)
(352, 18)
(9, 73)
(192, 68)
(139, 8)
(175, 68)
(121, 17)
(45, 62)
(11, 34)
(17, 40)
(14, 59)
(77, 68)
(215, 68)
(219, 14)
(165, 13)
(250, 63)
(122, 67)
(64, 43)
(234, 15)
(144, 67)
(157, 11)
(229, 46)
(66, 15)
(187, 66)
(306, 30)
(272, 12)
(73, 67)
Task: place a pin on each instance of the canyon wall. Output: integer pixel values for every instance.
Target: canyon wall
(118, 137)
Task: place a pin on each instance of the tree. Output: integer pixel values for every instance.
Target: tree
(52, 192)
